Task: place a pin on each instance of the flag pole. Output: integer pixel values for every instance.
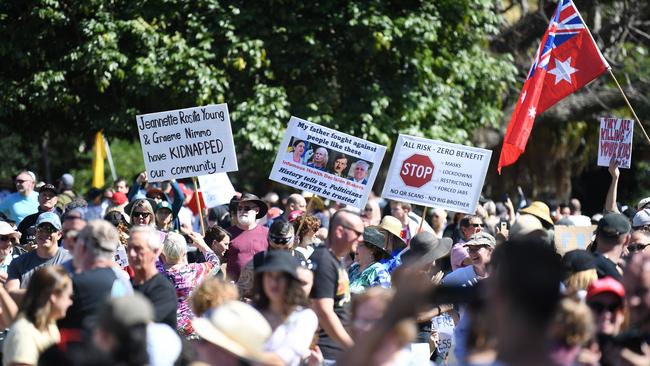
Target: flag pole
(629, 105)
(424, 215)
(198, 204)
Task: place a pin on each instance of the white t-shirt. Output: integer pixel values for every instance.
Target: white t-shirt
(25, 343)
(291, 339)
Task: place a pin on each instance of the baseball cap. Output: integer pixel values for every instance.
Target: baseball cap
(67, 180)
(119, 198)
(47, 187)
(50, 218)
(643, 203)
(613, 224)
(605, 284)
(578, 260)
(481, 238)
(164, 204)
(641, 218)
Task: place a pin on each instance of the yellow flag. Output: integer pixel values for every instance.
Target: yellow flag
(99, 154)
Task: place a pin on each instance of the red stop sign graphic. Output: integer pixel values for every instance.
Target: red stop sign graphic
(417, 170)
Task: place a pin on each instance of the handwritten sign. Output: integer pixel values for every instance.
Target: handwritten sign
(615, 140)
(436, 174)
(327, 162)
(568, 238)
(187, 142)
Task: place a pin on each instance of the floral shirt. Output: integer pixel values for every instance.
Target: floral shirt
(375, 275)
(185, 279)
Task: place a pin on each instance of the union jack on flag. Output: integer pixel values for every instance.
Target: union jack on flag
(567, 59)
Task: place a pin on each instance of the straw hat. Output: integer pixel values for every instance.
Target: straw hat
(540, 210)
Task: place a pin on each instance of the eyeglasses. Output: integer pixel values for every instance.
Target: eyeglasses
(359, 233)
(476, 225)
(246, 208)
(600, 307)
(141, 214)
(475, 248)
(308, 264)
(636, 247)
(46, 228)
(5, 238)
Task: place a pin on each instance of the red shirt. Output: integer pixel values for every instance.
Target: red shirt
(243, 246)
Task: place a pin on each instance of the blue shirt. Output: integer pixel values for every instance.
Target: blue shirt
(16, 206)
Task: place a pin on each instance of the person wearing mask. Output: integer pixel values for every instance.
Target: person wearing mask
(282, 301)
(48, 297)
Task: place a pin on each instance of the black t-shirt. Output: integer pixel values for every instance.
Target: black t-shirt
(331, 281)
(605, 267)
(90, 290)
(30, 221)
(160, 291)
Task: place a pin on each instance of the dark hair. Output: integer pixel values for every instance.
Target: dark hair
(45, 281)
(281, 229)
(296, 142)
(464, 222)
(292, 297)
(131, 343)
(116, 218)
(215, 232)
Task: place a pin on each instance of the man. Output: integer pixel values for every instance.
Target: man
(360, 172)
(330, 295)
(612, 236)
(439, 221)
(639, 241)
(480, 247)
(641, 220)
(295, 202)
(410, 221)
(121, 185)
(22, 203)
(66, 194)
(576, 216)
(339, 165)
(248, 238)
(47, 201)
(143, 249)
(21, 269)
(73, 222)
(97, 278)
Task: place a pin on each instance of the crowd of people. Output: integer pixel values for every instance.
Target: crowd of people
(129, 275)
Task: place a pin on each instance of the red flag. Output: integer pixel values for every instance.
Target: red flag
(567, 60)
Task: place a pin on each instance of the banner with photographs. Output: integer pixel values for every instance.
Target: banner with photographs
(327, 163)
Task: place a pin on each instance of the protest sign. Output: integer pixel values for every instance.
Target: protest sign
(436, 174)
(568, 238)
(615, 140)
(217, 189)
(327, 162)
(187, 142)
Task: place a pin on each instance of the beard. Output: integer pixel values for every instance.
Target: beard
(245, 219)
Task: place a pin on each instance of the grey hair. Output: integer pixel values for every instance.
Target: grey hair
(363, 164)
(96, 232)
(153, 238)
(174, 247)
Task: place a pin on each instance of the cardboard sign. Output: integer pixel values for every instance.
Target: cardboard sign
(568, 238)
(327, 162)
(436, 174)
(187, 142)
(615, 140)
(217, 189)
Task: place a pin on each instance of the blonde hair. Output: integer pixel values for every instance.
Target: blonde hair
(211, 293)
(46, 281)
(581, 280)
(174, 248)
(573, 324)
(144, 204)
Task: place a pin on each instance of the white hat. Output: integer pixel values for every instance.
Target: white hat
(524, 225)
(641, 218)
(6, 229)
(644, 202)
(237, 328)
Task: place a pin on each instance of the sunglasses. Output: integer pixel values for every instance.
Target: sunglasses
(281, 240)
(141, 214)
(359, 233)
(634, 248)
(246, 208)
(47, 228)
(600, 307)
(5, 238)
(476, 225)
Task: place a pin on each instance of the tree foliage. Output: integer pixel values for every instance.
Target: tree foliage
(369, 68)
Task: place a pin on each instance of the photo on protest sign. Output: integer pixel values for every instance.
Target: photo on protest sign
(436, 174)
(327, 163)
(615, 141)
(187, 142)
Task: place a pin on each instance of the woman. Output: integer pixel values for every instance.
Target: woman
(142, 213)
(580, 266)
(305, 227)
(185, 276)
(320, 159)
(219, 240)
(281, 300)
(366, 271)
(48, 297)
(295, 155)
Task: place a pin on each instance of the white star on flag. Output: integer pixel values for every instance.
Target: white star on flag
(563, 70)
(523, 96)
(531, 112)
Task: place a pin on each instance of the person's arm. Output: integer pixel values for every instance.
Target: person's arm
(324, 309)
(610, 200)
(179, 197)
(9, 309)
(140, 180)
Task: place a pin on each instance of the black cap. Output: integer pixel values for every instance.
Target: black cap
(578, 260)
(47, 187)
(279, 261)
(613, 224)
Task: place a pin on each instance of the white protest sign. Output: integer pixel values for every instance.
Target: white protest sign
(436, 174)
(187, 142)
(327, 162)
(615, 139)
(217, 189)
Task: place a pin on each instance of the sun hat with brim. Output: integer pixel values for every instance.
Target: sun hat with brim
(613, 224)
(524, 225)
(392, 225)
(6, 229)
(426, 248)
(641, 218)
(481, 238)
(235, 327)
(374, 237)
(605, 284)
(279, 261)
(540, 210)
(249, 197)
